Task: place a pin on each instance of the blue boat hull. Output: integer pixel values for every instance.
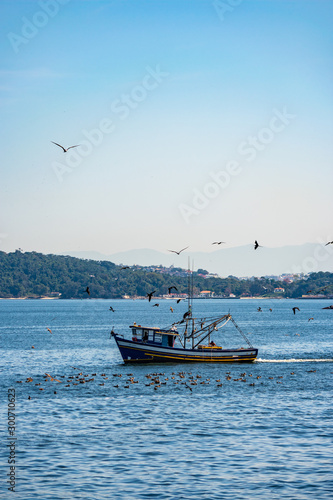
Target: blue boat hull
(135, 352)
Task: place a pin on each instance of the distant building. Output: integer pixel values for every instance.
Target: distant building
(278, 290)
(206, 293)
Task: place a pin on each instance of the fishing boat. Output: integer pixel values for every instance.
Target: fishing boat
(188, 340)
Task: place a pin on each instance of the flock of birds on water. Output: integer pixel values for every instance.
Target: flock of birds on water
(154, 380)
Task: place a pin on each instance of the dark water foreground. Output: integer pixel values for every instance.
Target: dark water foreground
(109, 431)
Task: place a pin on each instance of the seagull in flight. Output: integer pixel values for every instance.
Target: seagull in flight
(111, 309)
(125, 267)
(49, 330)
(64, 149)
(171, 287)
(218, 242)
(256, 245)
(296, 309)
(150, 295)
(174, 251)
(87, 290)
(329, 243)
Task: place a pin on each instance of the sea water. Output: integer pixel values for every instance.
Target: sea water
(259, 430)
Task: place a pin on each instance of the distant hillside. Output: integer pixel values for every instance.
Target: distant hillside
(34, 275)
(240, 261)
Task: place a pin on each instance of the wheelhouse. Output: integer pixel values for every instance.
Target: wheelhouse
(153, 336)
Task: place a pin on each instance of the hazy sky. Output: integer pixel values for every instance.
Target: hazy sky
(197, 121)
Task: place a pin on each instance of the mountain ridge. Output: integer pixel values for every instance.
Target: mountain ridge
(238, 261)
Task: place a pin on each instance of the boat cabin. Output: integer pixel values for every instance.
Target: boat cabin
(153, 335)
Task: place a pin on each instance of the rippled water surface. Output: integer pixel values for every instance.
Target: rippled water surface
(234, 431)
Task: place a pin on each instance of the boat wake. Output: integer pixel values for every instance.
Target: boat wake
(293, 360)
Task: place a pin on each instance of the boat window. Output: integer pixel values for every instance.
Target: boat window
(158, 338)
(170, 340)
(138, 332)
(151, 335)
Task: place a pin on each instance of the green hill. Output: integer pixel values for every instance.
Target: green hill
(35, 275)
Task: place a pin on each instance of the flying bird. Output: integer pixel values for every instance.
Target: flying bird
(256, 245)
(64, 149)
(178, 301)
(296, 309)
(171, 309)
(150, 295)
(87, 290)
(125, 267)
(111, 309)
(49, 330)
(310, 319)
(329, 243)
(218, 242)
(188, 313)
(174, 251)
(171, 287)
(322, 289)
(156, 305)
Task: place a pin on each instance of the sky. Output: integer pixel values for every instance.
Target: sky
(196, 121)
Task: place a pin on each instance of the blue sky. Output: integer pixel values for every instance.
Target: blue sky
(164, 97)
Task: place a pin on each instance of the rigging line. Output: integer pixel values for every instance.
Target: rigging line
(240, 331)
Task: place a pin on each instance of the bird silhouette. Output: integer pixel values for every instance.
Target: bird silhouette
(310, 319)
(171, 287)
(174, 251)
(171, 309)
(64, 149)
(329, 243)
(218, 242)
(156, 305)
(322, 289)
(111, 309)
(87, 290)
(178, 301)
(296, 309)
(188, 313)
(259, 309)
(256, 245)
(49, 330)
(150, 295)
(125, 267)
